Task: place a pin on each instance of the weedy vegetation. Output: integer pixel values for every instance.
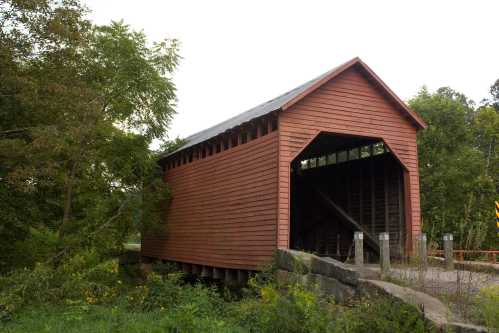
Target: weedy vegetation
(62, 299)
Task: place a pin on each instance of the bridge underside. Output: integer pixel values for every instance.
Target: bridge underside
(341, 184)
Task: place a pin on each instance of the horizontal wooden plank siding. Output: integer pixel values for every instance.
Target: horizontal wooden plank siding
(348, 104)
(224, 208)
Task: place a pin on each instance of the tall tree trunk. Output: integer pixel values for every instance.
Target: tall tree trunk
(489, 155)
(480, 197)
(68, 197)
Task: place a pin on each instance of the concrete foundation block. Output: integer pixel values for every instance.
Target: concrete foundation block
(334, 269)
(328, 286)
(322, 285)
(434, 310)
(286, 277)
(294, 261)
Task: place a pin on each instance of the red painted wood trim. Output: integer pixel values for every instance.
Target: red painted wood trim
(359, 63)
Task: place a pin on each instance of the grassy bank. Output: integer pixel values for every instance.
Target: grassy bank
(380, 317)
(86, 295)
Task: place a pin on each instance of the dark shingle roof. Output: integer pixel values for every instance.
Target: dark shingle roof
(258, 111)
(285, 100)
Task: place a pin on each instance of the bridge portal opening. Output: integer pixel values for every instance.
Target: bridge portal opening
(341, 184)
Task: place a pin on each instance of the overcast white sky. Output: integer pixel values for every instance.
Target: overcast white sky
(237, 54)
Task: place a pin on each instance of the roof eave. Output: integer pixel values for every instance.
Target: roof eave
(411, 115)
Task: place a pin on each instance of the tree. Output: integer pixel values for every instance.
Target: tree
(79, 106)
(457, 185)
(494, 92)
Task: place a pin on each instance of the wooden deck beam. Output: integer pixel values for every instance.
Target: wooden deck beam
(206, 272)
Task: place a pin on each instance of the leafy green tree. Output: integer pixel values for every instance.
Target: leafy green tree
(494, 92)
(171, 145)
(458, 183)
(79, 107)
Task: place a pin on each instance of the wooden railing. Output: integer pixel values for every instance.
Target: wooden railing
(461, 254)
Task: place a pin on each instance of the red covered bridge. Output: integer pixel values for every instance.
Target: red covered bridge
(304, 171)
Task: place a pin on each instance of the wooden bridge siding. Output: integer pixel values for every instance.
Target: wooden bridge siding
(223, 211)
(348, 104)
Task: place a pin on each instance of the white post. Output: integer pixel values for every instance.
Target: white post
(422, 251)
(358, 237)
(384, 252)
(449, 251)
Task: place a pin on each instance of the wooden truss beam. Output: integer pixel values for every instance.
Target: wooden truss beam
(370, 238)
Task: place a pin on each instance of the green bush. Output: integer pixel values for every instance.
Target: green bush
(82, 278)
(20, 287)
(291, 310)
(85, 277)
(159, 292)
(37, 247)
(381, 315)
(185, 307)
(168, 292)
(488, 305)
(186, 321)
(23, 248)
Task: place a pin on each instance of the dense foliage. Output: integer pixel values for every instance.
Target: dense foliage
(459, 166)
(102, 299)
(79, 107)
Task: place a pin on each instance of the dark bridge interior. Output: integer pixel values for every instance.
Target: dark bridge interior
(341, 184)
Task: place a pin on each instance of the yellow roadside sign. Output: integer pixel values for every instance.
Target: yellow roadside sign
(497, 216)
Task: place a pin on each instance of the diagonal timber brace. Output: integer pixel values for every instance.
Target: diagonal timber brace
(370, 239)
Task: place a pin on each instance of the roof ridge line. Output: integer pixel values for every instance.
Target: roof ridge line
(291, 97)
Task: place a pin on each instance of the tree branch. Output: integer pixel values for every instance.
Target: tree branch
(102, 226)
